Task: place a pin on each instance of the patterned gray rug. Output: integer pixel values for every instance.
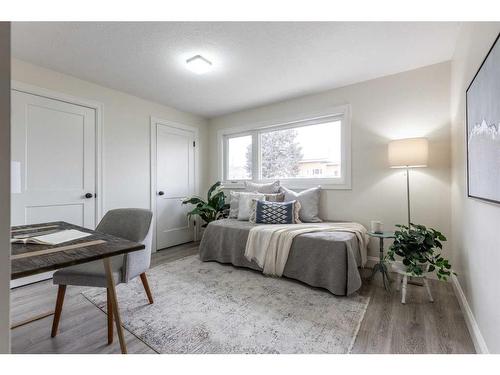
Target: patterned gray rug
(207, 307)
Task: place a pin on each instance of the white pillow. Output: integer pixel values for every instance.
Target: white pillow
(245, 204)
(234, 201)
(268, 188)
(309, 202)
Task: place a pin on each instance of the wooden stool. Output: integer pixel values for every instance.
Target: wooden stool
(403, 279)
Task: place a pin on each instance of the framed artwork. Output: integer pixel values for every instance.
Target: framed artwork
(483, 129)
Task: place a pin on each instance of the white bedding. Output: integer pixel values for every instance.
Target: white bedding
(269, 244)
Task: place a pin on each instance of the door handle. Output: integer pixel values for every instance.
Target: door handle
(89, 195)
(161, 192)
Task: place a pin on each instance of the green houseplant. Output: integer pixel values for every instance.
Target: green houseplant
(214, 208)
(419, 249)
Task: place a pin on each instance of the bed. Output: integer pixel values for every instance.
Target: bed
(327, 260)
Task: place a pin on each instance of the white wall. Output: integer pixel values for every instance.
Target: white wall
(4, 186)
(410, 104)
(126, 133)
(475, 224)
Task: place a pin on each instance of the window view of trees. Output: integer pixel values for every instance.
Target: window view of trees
(280, 154)
(310, 151)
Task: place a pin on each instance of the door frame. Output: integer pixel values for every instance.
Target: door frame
(98, 108)
(154, 122)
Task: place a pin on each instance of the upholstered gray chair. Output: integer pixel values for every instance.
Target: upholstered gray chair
(133, 224)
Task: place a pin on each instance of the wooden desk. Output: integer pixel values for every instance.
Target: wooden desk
(30, 259)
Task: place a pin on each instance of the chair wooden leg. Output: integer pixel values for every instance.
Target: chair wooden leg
(110, 318)
(59, 305)
(144, 280)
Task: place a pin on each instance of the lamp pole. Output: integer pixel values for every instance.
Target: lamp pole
(411, 280)
(408, 192)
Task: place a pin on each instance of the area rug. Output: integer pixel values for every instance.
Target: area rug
(207, 307)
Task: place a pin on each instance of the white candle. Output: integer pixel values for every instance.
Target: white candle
(376, 226)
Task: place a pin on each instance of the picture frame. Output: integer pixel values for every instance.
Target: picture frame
(483, 129)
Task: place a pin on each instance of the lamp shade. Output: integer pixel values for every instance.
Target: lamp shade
(409, 152)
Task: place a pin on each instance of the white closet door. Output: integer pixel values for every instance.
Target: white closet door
(53, 142)
(174, 182)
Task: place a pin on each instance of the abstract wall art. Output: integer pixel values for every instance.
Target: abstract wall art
(483, 129)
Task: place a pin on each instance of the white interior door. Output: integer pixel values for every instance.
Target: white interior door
(175, 180)
(53, 143)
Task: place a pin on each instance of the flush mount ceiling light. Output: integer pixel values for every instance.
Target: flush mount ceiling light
(198, 64)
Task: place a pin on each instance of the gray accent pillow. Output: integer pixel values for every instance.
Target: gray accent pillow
(269, 188)
(309, 202)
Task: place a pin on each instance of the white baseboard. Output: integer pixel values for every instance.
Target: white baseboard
(31, 279)
(371, 261)
(477, 337)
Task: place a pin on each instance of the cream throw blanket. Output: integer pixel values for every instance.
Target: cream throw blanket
(269, 244)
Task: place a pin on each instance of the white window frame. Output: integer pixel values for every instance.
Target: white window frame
(225, 162)
(340, 113)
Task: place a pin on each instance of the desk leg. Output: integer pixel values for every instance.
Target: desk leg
(114, 304)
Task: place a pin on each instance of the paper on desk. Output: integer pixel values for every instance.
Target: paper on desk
(53, 238)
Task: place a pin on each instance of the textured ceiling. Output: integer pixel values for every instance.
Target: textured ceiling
(254, 63)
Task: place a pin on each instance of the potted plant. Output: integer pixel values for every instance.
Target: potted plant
(420, 250)
(214, 208)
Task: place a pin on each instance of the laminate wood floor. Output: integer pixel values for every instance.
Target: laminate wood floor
(388, 326)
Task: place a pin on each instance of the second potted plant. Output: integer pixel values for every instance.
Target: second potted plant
(420, 249)
(214, 208)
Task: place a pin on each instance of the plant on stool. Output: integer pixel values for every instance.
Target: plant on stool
(419, 249)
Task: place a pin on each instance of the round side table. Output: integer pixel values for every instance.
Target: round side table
(381, 266)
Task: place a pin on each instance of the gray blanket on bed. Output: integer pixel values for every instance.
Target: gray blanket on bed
(328, 260)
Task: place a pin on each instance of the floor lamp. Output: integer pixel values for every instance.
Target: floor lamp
(408, 153)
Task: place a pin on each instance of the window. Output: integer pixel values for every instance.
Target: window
(239, 158)
(305, 151)
(300, 153)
